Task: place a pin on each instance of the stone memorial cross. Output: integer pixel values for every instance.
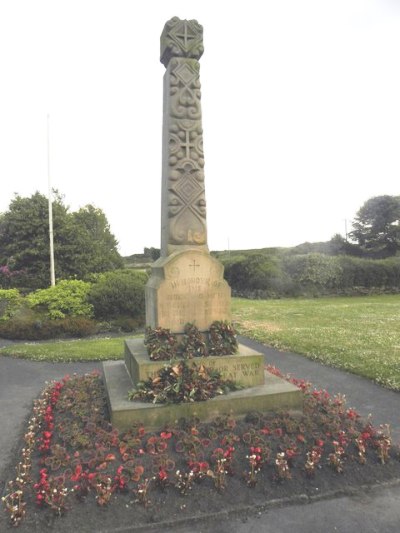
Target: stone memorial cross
(186, 283)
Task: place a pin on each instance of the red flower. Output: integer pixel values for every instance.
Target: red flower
(218, 452)
(366, 435)
(165, 434)
(352, 414)
(78, 472)
(162, 474)
(290, 453)
(255, 449)
(203, 466)
(342, 438)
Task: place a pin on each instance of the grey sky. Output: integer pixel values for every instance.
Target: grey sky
(301, 112)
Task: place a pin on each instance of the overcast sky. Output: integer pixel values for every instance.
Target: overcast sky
(301, 112)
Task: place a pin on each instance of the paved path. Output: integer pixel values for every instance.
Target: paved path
(375, 511)
(21, 381)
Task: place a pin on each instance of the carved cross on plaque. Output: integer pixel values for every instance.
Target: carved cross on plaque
(194, 265)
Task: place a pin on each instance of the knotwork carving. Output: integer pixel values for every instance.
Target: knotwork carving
(185, 88)
(183, 165)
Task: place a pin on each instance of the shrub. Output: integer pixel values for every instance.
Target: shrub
(67, 298)
(118, 293)
(370, 273)
(127, 323)
(314, 270)
(255, 272)
(10, 301)
(35, 329)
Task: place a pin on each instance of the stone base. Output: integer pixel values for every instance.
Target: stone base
(246, 367)
(275, 394)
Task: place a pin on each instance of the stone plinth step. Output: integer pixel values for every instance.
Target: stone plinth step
(246, 367)
(274, 394)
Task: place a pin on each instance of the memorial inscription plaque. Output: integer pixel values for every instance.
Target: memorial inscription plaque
(187, 287)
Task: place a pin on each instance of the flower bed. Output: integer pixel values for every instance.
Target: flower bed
(73, 456)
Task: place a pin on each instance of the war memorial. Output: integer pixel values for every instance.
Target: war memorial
(186, 285)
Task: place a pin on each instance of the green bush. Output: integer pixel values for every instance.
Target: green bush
(314, 270)
(255, 272)
(67, 298)
(127, 323)
(370, 273)
(34, 329)
(118, 293)
(10, 301)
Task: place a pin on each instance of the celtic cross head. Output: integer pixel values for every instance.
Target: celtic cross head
(181, 38)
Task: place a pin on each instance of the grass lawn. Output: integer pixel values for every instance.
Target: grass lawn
(359, 334)
(99, 349)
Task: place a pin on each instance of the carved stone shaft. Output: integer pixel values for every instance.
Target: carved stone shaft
(183, 215)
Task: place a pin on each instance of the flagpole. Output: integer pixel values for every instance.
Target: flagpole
(50, 195)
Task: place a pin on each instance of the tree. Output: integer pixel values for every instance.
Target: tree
(338, 245)
(102, 254)
(83, 242)
(377, 226)
(152, 253)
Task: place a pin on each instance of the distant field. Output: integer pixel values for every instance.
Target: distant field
(359, 334)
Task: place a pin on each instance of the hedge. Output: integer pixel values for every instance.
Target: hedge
(311, 275)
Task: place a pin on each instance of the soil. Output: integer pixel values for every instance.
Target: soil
(83, 441)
